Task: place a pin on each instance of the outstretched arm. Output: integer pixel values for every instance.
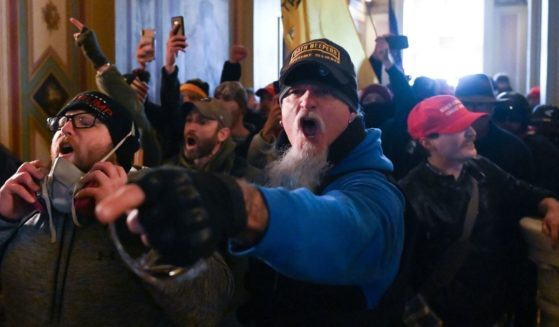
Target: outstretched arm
(184, 215)
(232, 68)
(111, 82)
(252, 224)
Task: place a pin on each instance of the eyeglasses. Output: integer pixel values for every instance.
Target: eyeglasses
(79, 120)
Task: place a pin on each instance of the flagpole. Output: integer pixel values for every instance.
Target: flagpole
(369, 5)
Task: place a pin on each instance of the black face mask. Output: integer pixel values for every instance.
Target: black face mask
(375, 114)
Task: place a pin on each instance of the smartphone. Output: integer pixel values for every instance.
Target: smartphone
(178, 20)
(149, 35)
(397, 42)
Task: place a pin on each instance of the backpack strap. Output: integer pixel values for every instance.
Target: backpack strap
(453, 258)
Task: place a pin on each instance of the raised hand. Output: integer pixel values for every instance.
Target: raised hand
(382, 51)
(102, 180)
(175, 43)
(145, 52)
(18, 195)
(237, 53)
(141, 88)
(87, 41)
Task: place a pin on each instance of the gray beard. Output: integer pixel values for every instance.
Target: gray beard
(298, 168)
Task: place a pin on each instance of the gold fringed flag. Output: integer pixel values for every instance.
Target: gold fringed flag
(304, 20)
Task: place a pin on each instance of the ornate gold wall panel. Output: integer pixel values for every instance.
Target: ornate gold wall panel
(41, 67)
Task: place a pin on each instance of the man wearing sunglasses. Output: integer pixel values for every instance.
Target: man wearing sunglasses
(59, 265)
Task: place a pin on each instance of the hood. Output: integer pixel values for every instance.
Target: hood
(367, 155)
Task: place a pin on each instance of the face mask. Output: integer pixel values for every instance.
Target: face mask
(61, 183)
(377, 113)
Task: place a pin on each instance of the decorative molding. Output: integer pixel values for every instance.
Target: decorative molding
(49, 95)
(49, 53)
(51, 16)
(43, 40)
(39, 139)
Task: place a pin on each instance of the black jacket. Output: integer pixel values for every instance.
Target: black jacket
(481, 290)
(507, 151)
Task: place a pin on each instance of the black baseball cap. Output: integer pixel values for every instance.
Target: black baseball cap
(323, 61)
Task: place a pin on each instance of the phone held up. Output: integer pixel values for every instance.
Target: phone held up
(397, 42)
(148, 36)
(178, 20)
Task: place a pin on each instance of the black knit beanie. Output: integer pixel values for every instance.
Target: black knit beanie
(115, 116)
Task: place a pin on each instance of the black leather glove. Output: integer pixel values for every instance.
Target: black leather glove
(87, 41)
(186, 214)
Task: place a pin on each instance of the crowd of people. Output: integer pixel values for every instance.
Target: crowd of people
(319, 204)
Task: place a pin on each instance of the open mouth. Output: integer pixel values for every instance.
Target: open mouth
(309, 126)
(65, 148)
(191, 141)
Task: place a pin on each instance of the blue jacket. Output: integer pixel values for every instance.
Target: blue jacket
(351, 233)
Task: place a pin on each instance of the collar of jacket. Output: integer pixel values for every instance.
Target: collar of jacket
(470, 168)
(222, 162)
(347, 141)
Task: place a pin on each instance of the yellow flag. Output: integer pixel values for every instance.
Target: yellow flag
(304, 20)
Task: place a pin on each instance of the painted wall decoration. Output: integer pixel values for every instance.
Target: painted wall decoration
(44, 70)
(51, 16)
(48, 24)
(50, 96)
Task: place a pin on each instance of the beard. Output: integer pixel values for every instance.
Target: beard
(204, 148)
(298, 168)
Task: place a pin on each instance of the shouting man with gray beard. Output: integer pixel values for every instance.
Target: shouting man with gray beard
(298, 168)
(332, 236)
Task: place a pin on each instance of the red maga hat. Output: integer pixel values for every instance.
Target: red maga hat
(441, 114)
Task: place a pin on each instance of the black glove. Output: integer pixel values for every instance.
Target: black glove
(186, 214)
(90, 47)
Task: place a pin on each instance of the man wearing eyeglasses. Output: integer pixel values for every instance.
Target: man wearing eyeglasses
(59, 265)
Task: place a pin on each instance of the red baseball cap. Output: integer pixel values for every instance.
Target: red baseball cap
(270, 89)
(441, 114)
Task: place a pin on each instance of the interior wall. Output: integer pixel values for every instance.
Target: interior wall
(549, 70)
(534, 43)
(242, 33)
(207, 28)
(95, 14)
(6, 115)
(267, 50)
(41, 66)
(506, 42)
